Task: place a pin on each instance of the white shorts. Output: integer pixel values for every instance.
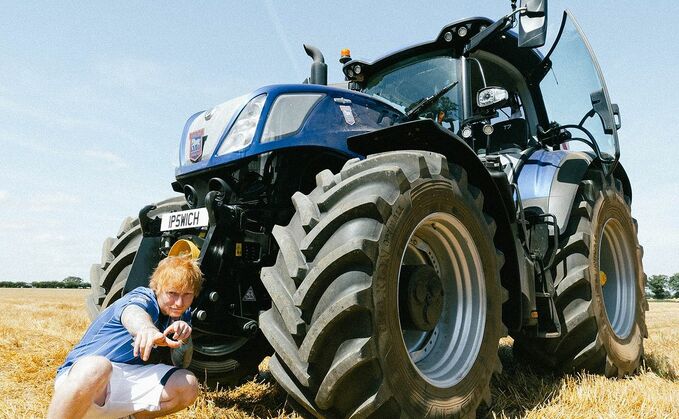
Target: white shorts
(132, 388)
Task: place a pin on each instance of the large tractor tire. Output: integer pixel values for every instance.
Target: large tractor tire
(386, 292)
(599, 285)
(216, 359)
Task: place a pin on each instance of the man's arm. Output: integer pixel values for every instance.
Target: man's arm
(135, 319)
(181, 357)
(138, 322)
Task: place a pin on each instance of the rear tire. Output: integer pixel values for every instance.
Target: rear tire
(599, 283)
(214, 360)
(338, 321)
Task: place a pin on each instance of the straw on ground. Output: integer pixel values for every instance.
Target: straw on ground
(39, 326)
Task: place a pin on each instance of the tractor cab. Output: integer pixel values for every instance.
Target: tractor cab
(492, 87)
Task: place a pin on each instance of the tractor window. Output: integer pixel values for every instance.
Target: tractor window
(575, 93)
(410, 82)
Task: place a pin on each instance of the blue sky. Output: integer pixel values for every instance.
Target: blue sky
(94, 95)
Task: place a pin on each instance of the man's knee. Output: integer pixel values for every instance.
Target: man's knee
(91, 371)
(192, 388)
(183, 386)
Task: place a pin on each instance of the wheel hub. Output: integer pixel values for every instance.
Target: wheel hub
(444, 254)
(422, 295)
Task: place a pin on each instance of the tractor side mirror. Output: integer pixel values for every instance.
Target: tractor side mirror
(533, 24)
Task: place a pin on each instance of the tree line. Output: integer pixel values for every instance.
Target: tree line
(658, 286)
(68, 282)
(663, 286)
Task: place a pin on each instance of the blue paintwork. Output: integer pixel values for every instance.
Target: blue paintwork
(325, 126)
(537, 173)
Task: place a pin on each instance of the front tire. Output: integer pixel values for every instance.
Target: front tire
(356, 334)
(599, 282)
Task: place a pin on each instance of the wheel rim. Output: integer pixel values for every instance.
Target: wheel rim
(446, 354)
(617, 278)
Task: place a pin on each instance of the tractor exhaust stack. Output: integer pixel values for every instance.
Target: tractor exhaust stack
(319, 69)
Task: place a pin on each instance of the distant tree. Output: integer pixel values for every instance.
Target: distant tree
(73, 282)
(657, 285)
(673, 285)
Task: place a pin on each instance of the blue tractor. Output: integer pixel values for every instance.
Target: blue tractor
(382, 234)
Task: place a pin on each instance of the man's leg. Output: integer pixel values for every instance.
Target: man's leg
(86, 383)
(180, 391)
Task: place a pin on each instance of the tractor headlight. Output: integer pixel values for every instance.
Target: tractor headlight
(288, 113)
(243, 130)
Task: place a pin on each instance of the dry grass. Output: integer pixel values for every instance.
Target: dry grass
(38, 328)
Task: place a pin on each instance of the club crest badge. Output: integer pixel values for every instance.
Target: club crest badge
(196, 140)
(348, 114)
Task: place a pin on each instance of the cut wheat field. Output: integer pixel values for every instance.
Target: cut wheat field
(39, 326)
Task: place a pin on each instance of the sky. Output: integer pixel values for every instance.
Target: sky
(94, 96)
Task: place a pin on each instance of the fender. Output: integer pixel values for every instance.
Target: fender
(549, 181)
(427, 135)
(621, 174)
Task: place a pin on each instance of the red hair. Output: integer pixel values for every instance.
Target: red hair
(177, 273)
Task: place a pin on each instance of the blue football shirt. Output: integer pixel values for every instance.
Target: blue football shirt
(107, 336)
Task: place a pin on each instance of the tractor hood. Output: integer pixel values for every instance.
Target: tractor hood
(276, 117)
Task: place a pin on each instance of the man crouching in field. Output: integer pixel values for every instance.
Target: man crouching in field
(107, 374)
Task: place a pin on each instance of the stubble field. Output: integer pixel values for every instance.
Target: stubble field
(39, 326)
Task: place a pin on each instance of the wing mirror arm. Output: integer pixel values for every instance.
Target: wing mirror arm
(532, 26)
(501, 25)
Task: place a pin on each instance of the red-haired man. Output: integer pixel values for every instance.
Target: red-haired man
(108, 373)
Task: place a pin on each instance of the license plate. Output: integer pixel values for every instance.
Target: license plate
(192, 218)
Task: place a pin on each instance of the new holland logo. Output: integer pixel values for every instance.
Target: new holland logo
(196, 140)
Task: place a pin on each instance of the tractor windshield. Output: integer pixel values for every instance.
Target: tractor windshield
(410, 83)
(575, 94)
